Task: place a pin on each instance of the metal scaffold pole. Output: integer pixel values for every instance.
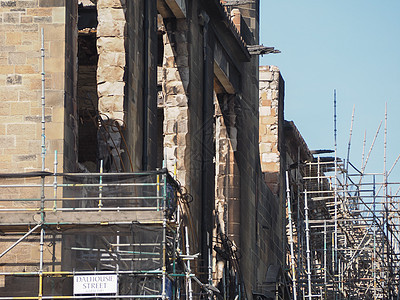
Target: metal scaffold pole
(292, 259)
(374, 237)
(325, 265)
(42, 197)
(308, 251)
(335, 190)
(189, 289)
(164, 240)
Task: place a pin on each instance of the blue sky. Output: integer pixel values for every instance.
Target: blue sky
(352, 46)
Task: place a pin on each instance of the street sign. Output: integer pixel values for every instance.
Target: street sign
(95, 284)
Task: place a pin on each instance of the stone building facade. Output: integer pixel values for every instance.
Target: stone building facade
(147, 84)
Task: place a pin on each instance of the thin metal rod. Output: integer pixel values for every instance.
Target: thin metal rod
(100, 204)
(85, 297)
(19, 240)
(164, 241)
(308, 251)
(292, 259)
(374, 237)
(336, 183)
(325, 263)
(43, 103)
(41, 262)
(363, 151)
(370, 150)
(55, 181)
(385, 191)
(349, 144)
(42, 205)
(188, 277)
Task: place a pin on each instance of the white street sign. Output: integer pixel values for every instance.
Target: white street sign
(95, 284)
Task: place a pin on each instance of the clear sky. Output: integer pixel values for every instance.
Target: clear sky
(352, 46)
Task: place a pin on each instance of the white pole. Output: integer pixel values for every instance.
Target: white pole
(292, 262)
(188, 278)
(308, 246)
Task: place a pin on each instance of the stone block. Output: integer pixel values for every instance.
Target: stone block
(53, 65)
(110, 44)
(37, 119)
(182, 126)
(9, 48)
(111, 89)
(52, 3)
(110, 74)
(27, 3)
(265, 111)
(171, 113)
(17, 58)
(118, 116)
(170, 126)
(7, 69)
(14, 80)
(57, 82)
(11, 18)
(269, 167)
(13, 38)
(44, 19)
(39, 11)
(8, 141)
(54, 98)
(111, 28)
(54, 130)
(26, 19)
(58, 14)
(111, 15)
(29, 157)
(112, 59)
(168, 51)
(8, 3)
(28, 96)
(28, 130)
(58, 114)
(175, 88)
(265, 147)
(5, 108)
(54, 32)
(38, 110)
(110, 4)
(266, 103)
(170, 153)
(111, 104)
(26, 69)
(172, 74)
(20, 108)
(53, 145)
(33, 83)
(274, 85)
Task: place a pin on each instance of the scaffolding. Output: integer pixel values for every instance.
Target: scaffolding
(343, 228)
(125, 224)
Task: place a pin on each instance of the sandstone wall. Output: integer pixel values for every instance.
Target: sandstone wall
(20, 84)
(20, 118)
(271, 125)
(111, 36)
